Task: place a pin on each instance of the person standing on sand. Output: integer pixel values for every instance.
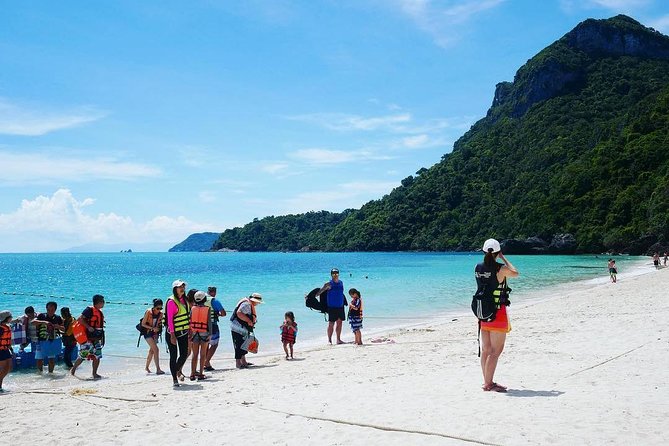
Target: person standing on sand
(242, 323)
(613, 270)
(152, 322)
(666, 258)
(178, 326)
(335, 302)
(493, 334)
(93, 321)
(217, 311)
(355, 314)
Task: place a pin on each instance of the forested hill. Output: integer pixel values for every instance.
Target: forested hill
(578, 143)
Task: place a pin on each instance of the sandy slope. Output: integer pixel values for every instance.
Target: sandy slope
(589, 366)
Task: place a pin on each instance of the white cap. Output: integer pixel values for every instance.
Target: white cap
(200, 296)
(256, 297)
(178, 283)
(493, 244)
(4, 315)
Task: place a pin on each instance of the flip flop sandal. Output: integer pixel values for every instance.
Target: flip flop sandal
(192, 378)
(499, 385)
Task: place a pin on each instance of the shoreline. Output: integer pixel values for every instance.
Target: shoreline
(119, 363)
(569, 383)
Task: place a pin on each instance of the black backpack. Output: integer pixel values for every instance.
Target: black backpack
(483, 302)
(315, 302)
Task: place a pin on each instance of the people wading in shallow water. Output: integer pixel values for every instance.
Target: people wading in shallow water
(493, 334)
(335, 302)
(153, 324)
(613, 271)
(178, 326)
(93, 321)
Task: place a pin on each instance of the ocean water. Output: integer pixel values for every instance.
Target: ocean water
(397, 288)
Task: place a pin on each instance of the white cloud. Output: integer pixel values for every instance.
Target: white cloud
(274, 168)
(319, 156)
(27, 120)
(397, 123)
(31, 168)
(346, 122)
(61, 221)
(661, 24)
(339, 197)
(422, 141)
(619, 4)
(629, 6)
(442, 20)
(206, 196)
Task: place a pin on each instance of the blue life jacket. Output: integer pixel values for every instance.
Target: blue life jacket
(336, 294)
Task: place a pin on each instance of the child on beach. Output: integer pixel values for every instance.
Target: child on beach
(288, 333)
(355, 314)
(200, 328)
(5, 346)
(68, 338)
(612, 270)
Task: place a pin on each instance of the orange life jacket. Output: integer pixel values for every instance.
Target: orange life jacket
(5, 337)
(79, 332)
(199, 319)
(97, 320)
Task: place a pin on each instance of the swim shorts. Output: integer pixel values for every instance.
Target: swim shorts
(90, 350)
(5, 354)
(50, 349)
(336, 313)
(215, 335)
(199, 338)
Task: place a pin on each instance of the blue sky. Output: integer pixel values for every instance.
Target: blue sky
(143, 122)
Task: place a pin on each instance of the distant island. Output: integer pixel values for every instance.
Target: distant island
(572, 156)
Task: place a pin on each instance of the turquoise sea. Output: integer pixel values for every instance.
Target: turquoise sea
(397, 288)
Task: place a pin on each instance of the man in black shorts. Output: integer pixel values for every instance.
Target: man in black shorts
(335, 301)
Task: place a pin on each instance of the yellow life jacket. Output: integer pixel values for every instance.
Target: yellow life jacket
(182, 318)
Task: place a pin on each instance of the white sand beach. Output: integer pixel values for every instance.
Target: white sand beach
(586, 367)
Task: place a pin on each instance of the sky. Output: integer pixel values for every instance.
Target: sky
(140, 123)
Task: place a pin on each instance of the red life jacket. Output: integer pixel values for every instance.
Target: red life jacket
(5, 337)
(288, 335)
(199, 319)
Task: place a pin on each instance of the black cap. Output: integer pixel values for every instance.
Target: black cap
(334, 270)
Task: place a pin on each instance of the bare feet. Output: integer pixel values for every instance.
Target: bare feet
(159, 372)
(96, 376)
(148, 370)
(339, 341)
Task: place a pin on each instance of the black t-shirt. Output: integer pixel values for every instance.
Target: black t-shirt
(46, 333)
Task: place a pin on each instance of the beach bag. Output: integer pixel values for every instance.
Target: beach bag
(250, 344)
(19, 334)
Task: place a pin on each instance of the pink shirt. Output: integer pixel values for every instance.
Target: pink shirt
(172, 310)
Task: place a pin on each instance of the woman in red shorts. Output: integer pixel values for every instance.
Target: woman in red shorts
(493, 334)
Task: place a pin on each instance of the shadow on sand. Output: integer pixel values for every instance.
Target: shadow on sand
(525, 393)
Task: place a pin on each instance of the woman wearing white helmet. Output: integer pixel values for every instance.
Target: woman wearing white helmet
(491, 274)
